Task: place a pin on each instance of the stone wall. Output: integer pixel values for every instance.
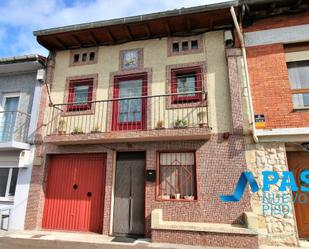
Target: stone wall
(275, 229)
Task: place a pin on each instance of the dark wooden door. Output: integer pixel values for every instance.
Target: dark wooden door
(129, 205)
(75, 193)
(299, 162)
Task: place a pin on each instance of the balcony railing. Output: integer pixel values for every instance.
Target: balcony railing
(143, 113)
(14, 126)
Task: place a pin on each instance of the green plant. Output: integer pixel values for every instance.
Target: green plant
(181, 123)
(77, 130)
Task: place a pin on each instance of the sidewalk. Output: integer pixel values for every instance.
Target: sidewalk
(68, 240)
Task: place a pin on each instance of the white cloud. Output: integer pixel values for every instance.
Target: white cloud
(26, 16)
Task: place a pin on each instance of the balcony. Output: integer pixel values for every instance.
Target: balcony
(14, 127)
(129, 119)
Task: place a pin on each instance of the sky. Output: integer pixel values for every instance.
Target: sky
(19, 18)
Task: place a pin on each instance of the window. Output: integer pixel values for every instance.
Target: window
(130, 114)
(186, 83)
(80, 94)
(299, 79)
(194, 44)
(175, 47)
(83, 56)
(8, 180)
(177, 178)
(185, 45)
(91, 56)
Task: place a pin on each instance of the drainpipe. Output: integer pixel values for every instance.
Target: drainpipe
(247, 81)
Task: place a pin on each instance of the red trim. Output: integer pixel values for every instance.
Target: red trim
(197, 71)
(135, 125)
(71, 95)
(157, 189)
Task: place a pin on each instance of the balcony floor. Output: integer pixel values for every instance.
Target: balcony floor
(131, 136)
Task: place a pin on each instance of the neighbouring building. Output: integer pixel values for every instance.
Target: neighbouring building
(276, 35)
(141, 130)
(20, 88)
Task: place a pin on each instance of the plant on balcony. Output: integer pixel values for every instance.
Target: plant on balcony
(61, 127)
(181, 123)
(201, 117)
(77, 130)
(96, 129)
(160, 125)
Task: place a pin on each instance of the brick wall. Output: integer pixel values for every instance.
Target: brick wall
(209, 239)
(270, 87)
(219, 164)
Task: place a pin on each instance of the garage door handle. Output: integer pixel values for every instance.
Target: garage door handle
(89, 194)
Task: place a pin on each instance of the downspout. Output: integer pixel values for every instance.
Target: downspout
(244, 55)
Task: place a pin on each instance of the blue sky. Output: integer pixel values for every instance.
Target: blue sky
(19, 18)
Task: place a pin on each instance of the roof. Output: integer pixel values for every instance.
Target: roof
(23, 58)
(24, 63)
(178, 22)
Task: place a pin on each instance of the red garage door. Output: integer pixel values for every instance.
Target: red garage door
(75, 193)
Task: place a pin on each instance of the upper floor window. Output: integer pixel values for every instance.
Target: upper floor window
(185, 45)
(83, 56)
(8, 180)
(186, 84)
(80, 95)
(299, 79)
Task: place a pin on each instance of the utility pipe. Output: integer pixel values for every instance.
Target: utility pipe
(244, 55)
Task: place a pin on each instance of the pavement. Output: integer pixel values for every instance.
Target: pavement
(65, 240)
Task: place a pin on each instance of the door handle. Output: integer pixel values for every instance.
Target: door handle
(89, 194)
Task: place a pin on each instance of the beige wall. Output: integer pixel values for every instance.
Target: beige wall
(155, 57)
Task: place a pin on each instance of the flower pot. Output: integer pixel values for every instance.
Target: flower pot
(62, 132)
(166, 197)
(189, 197)
(177, 196)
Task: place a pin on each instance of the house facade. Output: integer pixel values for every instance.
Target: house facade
(141, 130)
(277, 54)
(20, 87)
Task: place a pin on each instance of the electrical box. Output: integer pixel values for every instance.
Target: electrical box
(151, 175)
(24, 158)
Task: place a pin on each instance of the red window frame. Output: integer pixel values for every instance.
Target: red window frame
(84, 106)
(197, 71)
(135, 125)
(158, 180)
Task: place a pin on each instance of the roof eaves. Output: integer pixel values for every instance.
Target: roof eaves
(138, 18)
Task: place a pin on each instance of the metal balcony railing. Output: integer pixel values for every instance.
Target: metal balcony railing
(140, 113)
(14, 126)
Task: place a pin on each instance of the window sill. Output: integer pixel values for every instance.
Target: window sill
(297, 109)
(176, 200)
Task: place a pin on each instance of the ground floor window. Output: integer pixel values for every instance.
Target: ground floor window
(177, 178)
(8, 180)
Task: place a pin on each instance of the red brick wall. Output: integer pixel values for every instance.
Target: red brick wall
(206, 239)
(279, 22)
(270, 87)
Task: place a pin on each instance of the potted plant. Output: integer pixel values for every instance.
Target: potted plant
(61, 127)
(166, 196)
(77, 130)
(201, 117)
(160, 125)
(96, 129)
(181, 123)
(189, 197)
